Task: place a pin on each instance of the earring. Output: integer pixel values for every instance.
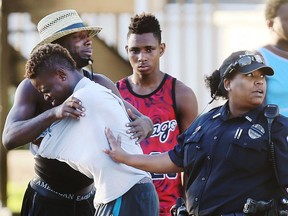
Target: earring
(228, 89)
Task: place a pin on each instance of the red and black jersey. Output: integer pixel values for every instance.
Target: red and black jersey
(160, 107)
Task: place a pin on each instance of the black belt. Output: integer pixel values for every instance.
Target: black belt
(44, 190)
(229, 214)
(234, 214)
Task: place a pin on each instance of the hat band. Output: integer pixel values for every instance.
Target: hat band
(76, 25)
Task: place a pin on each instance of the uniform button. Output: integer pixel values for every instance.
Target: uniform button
(196, 199)
(208, 157)
(203, 179)
(215, 137)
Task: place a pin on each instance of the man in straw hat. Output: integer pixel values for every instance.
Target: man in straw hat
(61, 190)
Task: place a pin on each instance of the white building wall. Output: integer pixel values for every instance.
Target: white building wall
(198, 36)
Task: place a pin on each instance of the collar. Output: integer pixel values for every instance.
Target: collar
(81, 84)
(250, 116)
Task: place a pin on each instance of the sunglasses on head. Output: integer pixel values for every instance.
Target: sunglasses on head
(243, 61)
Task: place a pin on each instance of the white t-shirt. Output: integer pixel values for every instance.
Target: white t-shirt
(80, 143)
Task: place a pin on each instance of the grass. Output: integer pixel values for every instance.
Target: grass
(15, 194)
(20, 171)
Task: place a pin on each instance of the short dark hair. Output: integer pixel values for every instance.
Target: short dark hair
(48, 56)
(272, 7)
(145, 23)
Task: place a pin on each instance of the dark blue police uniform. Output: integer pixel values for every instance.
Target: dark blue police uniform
(227, 160)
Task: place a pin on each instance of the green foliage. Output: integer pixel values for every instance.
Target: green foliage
(15, 194)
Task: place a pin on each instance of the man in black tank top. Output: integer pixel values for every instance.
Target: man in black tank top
(58, 189)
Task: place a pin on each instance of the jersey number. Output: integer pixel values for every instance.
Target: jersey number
(157, 176)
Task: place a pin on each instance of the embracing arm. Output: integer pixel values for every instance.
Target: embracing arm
(23, 124)
(186, 109)
(20, 127)
(160, 163)
(141, 126)
(186, 105)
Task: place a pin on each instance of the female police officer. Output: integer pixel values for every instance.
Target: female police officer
(226, 152)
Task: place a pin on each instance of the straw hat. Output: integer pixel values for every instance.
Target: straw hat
(62, 23)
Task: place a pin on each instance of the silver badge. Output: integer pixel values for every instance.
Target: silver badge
(256, 131)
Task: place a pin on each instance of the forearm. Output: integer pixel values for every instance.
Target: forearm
(18, 133)
(160, 163)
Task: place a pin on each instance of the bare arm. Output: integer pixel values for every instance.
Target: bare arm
(186, 109)
(23, 124)
(142, 126)
(186, 105)
(160, 163)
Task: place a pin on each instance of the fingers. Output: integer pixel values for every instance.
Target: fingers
(71, 108)
(131, 114)
(110, 137)
(133, 129)
(72, 113)
(75, 113)
(119, 140)
(73, 98)
(113, 142)
(74, 108)
(76, 104)
(106, 151)
(136, 134)
(140, 128)
(115, 151)
(140, 137)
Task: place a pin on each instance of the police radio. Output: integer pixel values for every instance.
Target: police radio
(271, 112)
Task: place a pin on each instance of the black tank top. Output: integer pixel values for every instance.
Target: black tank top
(60, 176)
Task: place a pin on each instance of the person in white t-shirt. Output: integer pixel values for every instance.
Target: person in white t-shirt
(121, 190)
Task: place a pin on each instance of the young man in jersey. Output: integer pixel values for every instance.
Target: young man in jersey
(170, 104)
(31, 115)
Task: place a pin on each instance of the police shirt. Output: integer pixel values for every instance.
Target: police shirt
(227, 160)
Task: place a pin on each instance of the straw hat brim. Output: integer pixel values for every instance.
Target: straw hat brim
(93, 30)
